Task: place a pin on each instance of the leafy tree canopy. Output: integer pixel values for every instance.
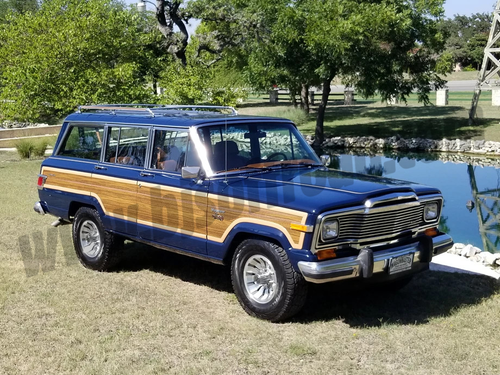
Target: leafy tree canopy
(384, 46)
(71, 52)
(17, 6)
(466, 37)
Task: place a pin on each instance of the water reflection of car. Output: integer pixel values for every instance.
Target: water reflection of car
(243, 191)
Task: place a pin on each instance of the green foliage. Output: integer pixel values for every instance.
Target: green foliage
(68, 53)
(298, 116)
(445, 63)
(40, 147)
(469, 69)
(197, 83)
(466, 37)
(385, 46)
(17, 6)
(25, 148)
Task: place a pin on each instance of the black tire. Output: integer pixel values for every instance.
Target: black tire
(96, 248)
(280, 292)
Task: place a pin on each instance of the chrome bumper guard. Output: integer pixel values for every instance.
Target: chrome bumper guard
(368, 262)
(39, 208)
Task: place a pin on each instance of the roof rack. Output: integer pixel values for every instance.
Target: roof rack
(195, 107)
(148, 108)
(113, 108)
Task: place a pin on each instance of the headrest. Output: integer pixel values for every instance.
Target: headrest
(232, 148)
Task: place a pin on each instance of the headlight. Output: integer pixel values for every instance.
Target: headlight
(431, 211)
(330, 229)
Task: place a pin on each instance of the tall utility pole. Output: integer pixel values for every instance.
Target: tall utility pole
(491, 61)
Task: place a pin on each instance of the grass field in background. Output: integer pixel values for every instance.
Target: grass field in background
(371, 117)
(162, 313)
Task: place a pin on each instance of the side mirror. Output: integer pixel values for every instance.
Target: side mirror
(190, 172)
(325, 160)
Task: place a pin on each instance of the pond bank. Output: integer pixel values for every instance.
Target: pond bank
(396, 143)
(467, 259)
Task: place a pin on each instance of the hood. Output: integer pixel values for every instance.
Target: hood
(314, 190)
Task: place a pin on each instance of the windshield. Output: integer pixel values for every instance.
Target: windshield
(255, 145)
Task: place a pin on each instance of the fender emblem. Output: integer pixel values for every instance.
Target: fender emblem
(218, 214)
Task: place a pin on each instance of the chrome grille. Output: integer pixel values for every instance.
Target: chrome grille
(361, 226)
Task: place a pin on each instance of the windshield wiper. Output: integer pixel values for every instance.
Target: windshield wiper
(296, 165)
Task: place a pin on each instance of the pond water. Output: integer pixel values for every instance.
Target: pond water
(459, 183)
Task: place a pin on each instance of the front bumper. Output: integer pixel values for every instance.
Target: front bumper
(369, 262)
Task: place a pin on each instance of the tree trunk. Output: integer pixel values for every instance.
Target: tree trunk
(304, 98)
(319, 137)
(293, 95)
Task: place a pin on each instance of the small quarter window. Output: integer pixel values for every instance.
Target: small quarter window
(84, 142)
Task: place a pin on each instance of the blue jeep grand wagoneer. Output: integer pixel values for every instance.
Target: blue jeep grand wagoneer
(244, 191)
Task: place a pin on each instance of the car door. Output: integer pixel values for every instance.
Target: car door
(172, 209)
(115, 177)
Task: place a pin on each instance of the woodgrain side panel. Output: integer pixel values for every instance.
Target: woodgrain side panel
(179, 210)
(235, 211)
(63, 179)
(116, 196)
(172, 208)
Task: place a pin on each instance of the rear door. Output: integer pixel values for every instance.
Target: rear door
(115, 176)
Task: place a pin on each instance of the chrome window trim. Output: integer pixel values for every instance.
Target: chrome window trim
(363, 209)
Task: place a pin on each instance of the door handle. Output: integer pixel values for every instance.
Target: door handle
(146, 174)
(100, 168)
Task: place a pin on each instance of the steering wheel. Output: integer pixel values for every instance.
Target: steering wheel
(274, 154)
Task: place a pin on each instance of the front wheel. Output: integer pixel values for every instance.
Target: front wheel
(96, 248)
(264, 281)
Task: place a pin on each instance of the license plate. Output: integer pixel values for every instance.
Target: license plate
(400, 264)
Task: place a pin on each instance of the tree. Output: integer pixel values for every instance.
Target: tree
(71, 52)
(201, 80)
(17, 6)
(467, 37)
(384, 46)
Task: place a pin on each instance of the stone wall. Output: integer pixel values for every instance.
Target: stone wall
(397, 143)
(17, 124)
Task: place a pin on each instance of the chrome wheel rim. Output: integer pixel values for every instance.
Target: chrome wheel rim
(260, 278)
(90, 239)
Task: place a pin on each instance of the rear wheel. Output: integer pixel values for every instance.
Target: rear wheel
(264, 281)
(96, 248)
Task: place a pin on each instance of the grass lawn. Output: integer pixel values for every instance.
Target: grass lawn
(164, 313)
(370, 117)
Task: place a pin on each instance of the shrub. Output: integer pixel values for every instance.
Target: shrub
(298, 116)
(25, 148)
(40, 148)
(29, 148)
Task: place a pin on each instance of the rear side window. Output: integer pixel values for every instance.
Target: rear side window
(83, 142)
(127, 145)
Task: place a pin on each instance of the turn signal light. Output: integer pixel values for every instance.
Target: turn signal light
(431, 232)
(326, 254)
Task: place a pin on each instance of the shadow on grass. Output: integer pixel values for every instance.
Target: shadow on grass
(409, 122)
(429, 294)
(137, 257)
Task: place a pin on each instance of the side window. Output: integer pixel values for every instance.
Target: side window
(84, 142)
(127, 145)
(230, 147)
(170, 150)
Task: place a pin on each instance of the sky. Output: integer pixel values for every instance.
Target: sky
(451, 7)
(468, 7)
